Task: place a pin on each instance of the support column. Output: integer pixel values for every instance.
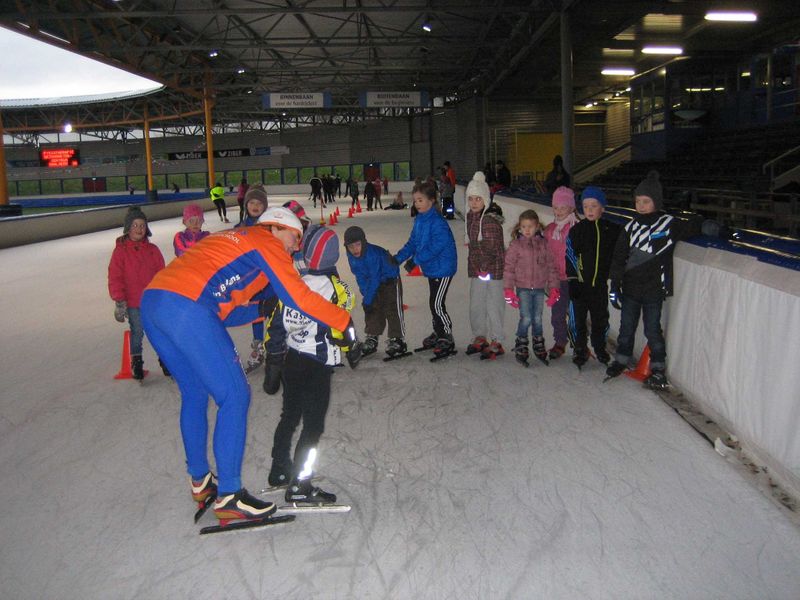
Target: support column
(769, 89)
(3, 180)
(148, 156)
(207, 102)
(567, 118)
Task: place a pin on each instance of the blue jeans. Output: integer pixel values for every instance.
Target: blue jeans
(531, 305)
(649, 307)
(137, 333)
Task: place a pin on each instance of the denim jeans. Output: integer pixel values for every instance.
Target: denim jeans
(649, 307)
(137, 333)
(531, 305)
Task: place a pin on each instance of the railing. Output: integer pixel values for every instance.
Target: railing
(603, 163)
(781, 179)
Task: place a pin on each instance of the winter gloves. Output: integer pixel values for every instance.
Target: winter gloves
(511, 298)
(553, 297)
(615, 295)
(121, 310)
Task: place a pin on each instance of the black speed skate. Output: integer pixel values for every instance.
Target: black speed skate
(444, 348)
(521, 351)
(580, 357)
(539, 349)
(615, 369)
(603, 356)
(657, 380)
(302, 497)
(428, 343)
(369, 346)
(137, 367)
(396, 348)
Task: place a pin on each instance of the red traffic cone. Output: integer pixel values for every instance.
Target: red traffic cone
(415, 272)
(337, 213)
(350, 213)
(332, 219)
(642, 370)
(358, 207)
(125, 367)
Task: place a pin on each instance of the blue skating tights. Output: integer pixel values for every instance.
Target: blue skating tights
(193, 343)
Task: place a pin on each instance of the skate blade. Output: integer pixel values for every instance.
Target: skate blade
(297, 508)
(422, 349)
(397, 357)
(271, 489)
(202, 510)
(254, 524)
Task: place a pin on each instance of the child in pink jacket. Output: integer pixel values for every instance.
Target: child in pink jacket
(193, 221)
(556, 234)
(530, 270)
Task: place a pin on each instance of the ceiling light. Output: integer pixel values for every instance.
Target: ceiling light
(745, 73)
(213, 54)
(67, 127)
(426, 24)
(672, 50)
(240, 70)
(736, 17)
(589, 105)
(618, 71)
(627, 89)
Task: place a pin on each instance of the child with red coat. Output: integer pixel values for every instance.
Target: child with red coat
(133, 264)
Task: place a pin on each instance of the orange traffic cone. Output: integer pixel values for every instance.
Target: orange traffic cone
(332, 219)
(337, 213)
(642, 370)
(125, 367)
(415, 272)
(358, 207)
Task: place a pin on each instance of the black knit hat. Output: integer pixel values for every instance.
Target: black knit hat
(354, 234)
(134, 212)
(650, 186)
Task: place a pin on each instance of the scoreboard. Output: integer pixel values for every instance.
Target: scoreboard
(59, 157)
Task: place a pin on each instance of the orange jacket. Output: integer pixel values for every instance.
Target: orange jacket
(227, 269)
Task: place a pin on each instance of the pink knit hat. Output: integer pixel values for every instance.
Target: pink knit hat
(193, 210)
(564, 196)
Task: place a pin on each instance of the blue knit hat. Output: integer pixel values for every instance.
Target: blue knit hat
(321, 252)
(595, 192)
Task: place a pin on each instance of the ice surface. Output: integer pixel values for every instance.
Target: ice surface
(467, 478)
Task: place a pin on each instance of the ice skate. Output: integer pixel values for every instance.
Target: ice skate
(137, 367)
(256, 357)
(580, 357)
(204, 492)
(428, 343)
(521, 351)
(444, 347)
(615, 369)
(396, 348)
(657, 380)
(539, 350)
(241, 506)
(603, 356)
(302, 496)
(477, 346)
(370, 345)
(557, 351)
(492, 351)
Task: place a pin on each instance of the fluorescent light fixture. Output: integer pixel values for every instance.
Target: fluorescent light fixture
(671, 50)
(731, 16)
(745, 73)
(618, 52)
(427, 27)
(589, 105)
(240, 70)
(213, 54)
(67, 127)
(627, 89)
(618, 71)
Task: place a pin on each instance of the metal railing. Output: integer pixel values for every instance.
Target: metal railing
(771, 164)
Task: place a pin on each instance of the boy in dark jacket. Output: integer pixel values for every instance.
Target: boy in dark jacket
(378, 281)
(641, 278)
(590, 246)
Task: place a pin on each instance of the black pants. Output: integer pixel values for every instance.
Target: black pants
(592, 301)
(306, 395)
(442, 324)
(221, 209)
(387, 307)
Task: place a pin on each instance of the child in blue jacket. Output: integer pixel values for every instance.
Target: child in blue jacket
(378, 281)
(432, 247)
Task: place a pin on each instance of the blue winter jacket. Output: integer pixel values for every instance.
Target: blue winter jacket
(371, 269)
(431, 245)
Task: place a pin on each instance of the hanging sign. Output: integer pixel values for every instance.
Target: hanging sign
(393, 99)
(298, 100)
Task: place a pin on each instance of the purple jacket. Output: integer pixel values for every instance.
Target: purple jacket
(529, 264)
(185, 239)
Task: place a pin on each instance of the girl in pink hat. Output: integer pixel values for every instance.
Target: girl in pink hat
(556, 234)
(193, 221)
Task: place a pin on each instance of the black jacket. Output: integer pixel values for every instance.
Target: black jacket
(590, 248)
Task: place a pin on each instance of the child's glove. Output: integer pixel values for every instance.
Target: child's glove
(615, 295)
(511, 298)
(121, 311)
(409, 265)
(553, 297)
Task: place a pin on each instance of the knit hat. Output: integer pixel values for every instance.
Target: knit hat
(193, 210)
(478, 187)
(281, 217)
(651, 187)
(134, 212)
(256, 192)
(563, 196)
(594, 192)
(354, 234)
(321, 251)
(297, 209)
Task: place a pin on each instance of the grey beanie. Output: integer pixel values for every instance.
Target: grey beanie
(650, 186)
(134, 212)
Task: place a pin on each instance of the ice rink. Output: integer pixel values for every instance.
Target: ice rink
(467, 479)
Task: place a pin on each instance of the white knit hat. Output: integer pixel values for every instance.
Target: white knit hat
(281, 216)
(478, 187)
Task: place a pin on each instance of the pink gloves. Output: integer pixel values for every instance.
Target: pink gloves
(553, 297)
(511, 298)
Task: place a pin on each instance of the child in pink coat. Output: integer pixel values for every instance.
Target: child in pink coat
(529, 270)
(193, 221)
(556, 234)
